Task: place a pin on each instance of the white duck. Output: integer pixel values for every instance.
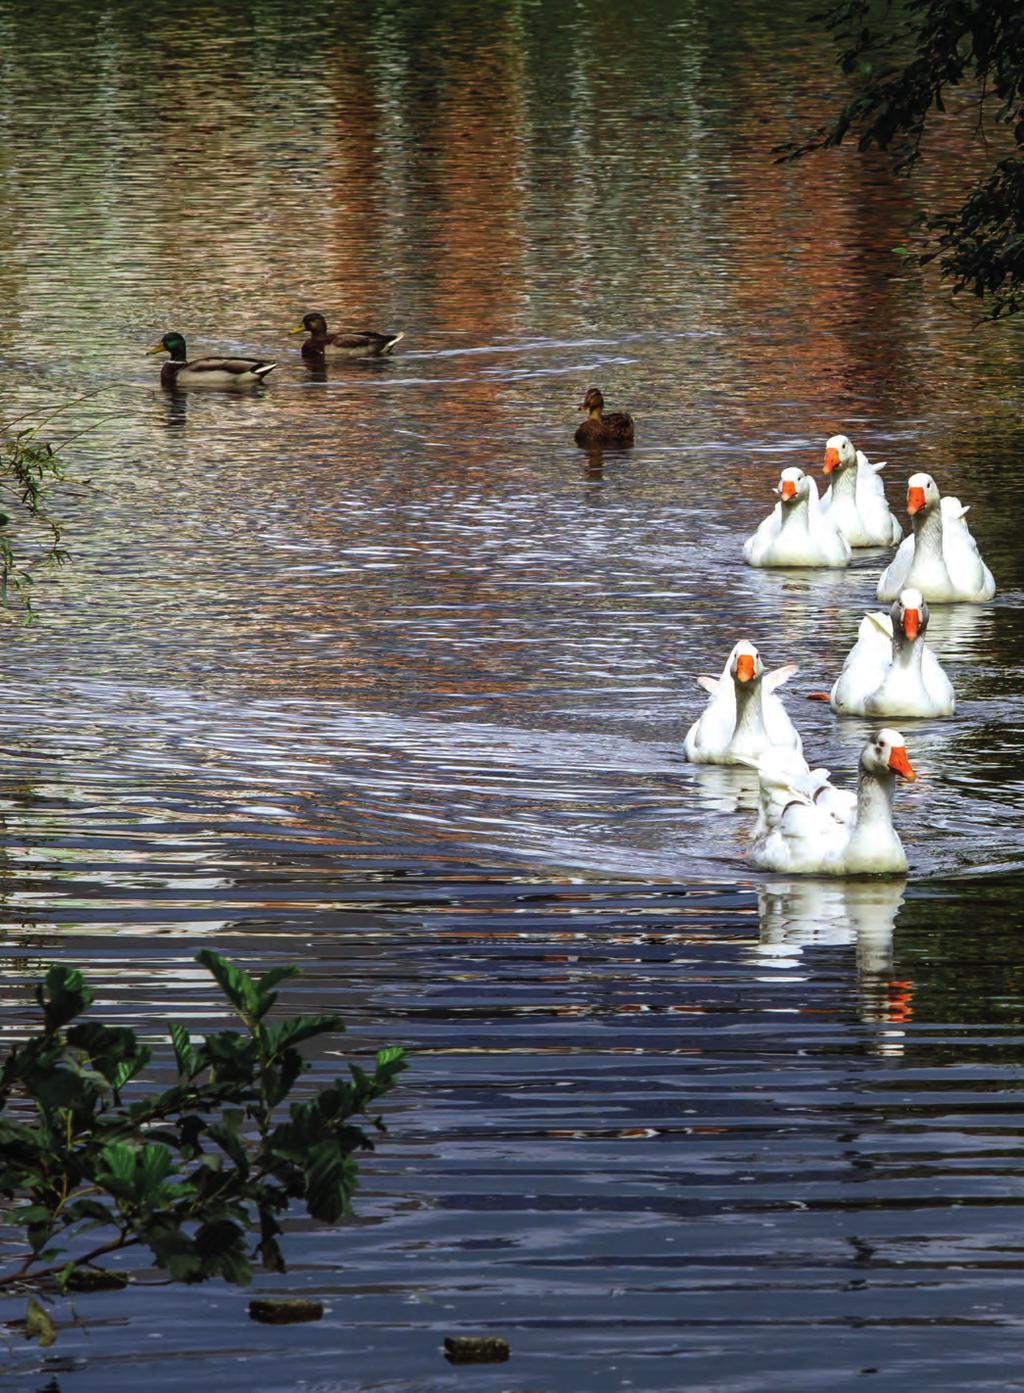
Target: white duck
(856, 497)
(797, 532)
(890, 670)
(940, 558)
(744, 718)
(811, 839)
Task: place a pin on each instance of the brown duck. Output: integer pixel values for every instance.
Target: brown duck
(598, 429)
(321, 344)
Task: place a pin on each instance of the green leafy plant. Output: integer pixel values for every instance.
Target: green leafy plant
(198, 1173)
(29, 467)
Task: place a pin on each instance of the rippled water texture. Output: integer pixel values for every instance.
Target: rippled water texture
(376, 671)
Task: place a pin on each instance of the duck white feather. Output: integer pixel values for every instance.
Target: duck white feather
(940, 557)
(783, 773)
(856, 496)
(744, 718)
(797, 532)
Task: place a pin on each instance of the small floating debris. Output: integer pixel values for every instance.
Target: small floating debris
(475, 1349)
(38, 1325)
(284, 1310)
(96, 1279)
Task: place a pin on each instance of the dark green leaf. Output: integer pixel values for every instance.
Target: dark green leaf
(183, 1052)
(291, 1032)
(63, 995)
(270, 979)
(234, 982)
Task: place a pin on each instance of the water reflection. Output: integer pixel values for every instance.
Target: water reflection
(725, 789)
(799, 916)
(962, 633)
(800, 913)
(174, 408)
(376, 672)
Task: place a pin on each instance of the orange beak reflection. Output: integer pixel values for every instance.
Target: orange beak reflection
(911, 622)
(744, 668)
(788, 489)
(831, 461)
(915, 501)
(898, 761)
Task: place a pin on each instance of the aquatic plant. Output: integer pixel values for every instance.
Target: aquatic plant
(197, 1173)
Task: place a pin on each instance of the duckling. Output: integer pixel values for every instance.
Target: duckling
(615, 429)
(321, 344)
(231, 373)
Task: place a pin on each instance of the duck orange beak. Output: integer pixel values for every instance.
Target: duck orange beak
(788, 489)
(911, 622)
(898, 761)
(915, 500)
(744, 668)
(831, 461)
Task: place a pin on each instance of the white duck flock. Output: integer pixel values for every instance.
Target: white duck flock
(744, 718)
(856, 497)
(797, 532)
(890, 670)
(808, 831)
(940, 558)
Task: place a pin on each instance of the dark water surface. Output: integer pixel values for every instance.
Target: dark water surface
(375, 671)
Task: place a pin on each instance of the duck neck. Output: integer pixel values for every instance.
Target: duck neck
(844, 483)
(907, 652)
(928, 531)
(595, 413)
(795, 514)
(749, 715)
(874, 800)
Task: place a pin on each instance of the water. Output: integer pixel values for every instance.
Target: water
(374, 671)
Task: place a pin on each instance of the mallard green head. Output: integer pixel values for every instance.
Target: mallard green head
(173, 344)
(314, 324)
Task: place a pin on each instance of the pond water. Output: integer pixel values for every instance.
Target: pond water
(375, 671)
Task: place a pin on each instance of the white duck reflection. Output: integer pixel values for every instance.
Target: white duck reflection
(799, 912)
(726, 788)
(960, 632)
(802, 913)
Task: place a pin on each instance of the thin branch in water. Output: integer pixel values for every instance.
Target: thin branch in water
(65, 406)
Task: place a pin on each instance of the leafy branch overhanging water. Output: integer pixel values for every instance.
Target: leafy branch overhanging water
(193, 1173)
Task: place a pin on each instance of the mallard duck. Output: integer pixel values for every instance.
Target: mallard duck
(597, 429)
(321, 344)
(232, 373)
